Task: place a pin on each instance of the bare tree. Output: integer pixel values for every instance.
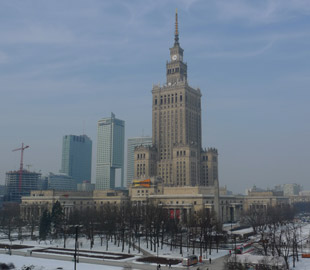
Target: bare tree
(9, 219)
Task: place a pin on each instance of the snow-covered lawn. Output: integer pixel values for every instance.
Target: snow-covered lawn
(85, 245)
(48, 264)
(303, 264)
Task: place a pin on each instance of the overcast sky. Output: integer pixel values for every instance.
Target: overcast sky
(66, 64)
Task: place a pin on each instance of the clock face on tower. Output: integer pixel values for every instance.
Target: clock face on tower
(174, 57)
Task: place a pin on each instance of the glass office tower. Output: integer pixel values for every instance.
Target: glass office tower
(76, 157)
(110, 152)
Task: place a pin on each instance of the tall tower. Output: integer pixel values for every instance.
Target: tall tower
(110, 152)
(76, 157)
(176, 123)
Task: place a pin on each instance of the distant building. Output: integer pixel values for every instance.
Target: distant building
(61, 181)
(76, 157)
(86, 186)
(255, 189)
(40, 200)
(2, 190)
(304, 193)
(132, 143)
(16, 188)
(291, 189)
(110, 152)
(2, 194)
(181, 202)
(43, 183)
(262, 199)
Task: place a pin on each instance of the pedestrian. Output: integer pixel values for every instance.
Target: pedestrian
(169, 264)
(210, 260)
(159, 266)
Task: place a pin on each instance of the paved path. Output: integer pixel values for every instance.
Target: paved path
(216, 264)
(143, 251)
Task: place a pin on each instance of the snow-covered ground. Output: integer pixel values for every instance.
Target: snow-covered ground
(84, 244)
(48, 264)
(166, 251)
(303, 264)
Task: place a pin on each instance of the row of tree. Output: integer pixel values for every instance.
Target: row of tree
(124, 224)
(279, 234)
(128, 222)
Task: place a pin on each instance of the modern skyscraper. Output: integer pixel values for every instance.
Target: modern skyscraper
(132, 143)
(176, 130)
(110, 152)
(76, 157)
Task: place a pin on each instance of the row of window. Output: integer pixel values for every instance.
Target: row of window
(181, 153)
(205, 158)
(142, 191)
(166, 99)
(173, 70)
(140, 156)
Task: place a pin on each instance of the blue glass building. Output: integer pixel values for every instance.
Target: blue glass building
(76, 157)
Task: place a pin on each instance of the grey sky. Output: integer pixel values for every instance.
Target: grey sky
(66, 64)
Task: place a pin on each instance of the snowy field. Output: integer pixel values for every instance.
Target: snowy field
(48, 264)
(85, 245)
(303, 264)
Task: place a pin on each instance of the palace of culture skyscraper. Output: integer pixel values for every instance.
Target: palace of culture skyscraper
(176, 155)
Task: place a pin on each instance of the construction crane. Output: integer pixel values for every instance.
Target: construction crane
(21, 164)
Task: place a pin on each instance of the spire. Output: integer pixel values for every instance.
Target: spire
(176, 34)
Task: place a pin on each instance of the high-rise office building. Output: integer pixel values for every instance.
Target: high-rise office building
(16, 188)
(132, 143)
(76, 157)
(177, 156)
(110, 152)
(61, 181)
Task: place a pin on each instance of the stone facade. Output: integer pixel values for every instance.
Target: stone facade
(181, 202)
(264, 199)
(41, 200)
(176, 131)
(145, 162)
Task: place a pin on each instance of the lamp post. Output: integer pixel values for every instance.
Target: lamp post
(76, 242)
(200, 239)
(300, 235)
(235, 250)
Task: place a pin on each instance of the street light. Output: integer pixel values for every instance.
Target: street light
(235, 250)
(76, 242)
